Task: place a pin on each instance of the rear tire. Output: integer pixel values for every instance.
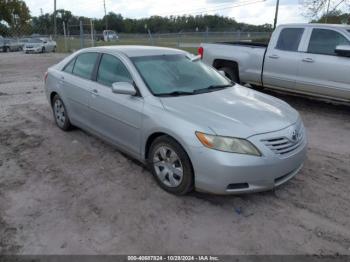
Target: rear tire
(230, 73)
(171, 166)
(60, 114)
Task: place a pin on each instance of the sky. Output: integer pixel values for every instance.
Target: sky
(248, 11)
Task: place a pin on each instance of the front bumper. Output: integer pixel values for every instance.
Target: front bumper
(228, 173)
(32, 50)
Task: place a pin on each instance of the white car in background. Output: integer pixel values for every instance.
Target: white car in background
(39, 45)
(109, 35)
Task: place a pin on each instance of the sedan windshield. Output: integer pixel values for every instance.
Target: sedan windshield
(35, 40)
(173, 75)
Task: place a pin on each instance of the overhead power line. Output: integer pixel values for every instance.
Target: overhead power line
(213, 9)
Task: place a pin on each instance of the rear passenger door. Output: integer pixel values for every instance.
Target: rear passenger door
(321, 71)
(117, 117)
(77, 84)
(282, 58)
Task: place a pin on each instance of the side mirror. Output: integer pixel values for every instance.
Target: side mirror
(343, 50)
(222, 73)
(124, 88)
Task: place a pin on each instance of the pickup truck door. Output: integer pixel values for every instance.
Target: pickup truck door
(321, 71)
(282, 58)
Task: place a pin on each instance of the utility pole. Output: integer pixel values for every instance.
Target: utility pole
(326, 19)
(276, 14)
(104, 5)
(54, 19)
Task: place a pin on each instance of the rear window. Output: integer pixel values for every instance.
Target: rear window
(289, 39)
(84, 65)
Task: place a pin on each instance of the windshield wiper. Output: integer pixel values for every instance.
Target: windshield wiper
(212, 88)
(177, 93)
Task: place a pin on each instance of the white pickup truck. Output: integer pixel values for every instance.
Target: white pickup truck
(312, 59)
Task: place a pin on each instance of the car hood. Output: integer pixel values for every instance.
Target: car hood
(237, 111)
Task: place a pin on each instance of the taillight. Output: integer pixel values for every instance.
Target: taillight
(201, 51)
(45, 76)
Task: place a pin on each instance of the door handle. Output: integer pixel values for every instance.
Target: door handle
(308, 60)
(274, 56)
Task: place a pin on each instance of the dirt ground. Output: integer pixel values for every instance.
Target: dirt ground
(71, 193)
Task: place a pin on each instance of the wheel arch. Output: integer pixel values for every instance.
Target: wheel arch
(153, 136)
(219, 63)
(52, 95)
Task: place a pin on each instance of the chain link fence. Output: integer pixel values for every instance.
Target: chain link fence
(72, 37)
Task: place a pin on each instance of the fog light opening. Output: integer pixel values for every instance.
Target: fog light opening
(237, 186)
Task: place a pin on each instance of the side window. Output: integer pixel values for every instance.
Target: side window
(69, 67)
(84, 65)
(112, 70)
(289, 39)
(324, 41)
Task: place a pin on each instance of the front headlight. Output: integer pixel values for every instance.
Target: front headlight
(228, 144)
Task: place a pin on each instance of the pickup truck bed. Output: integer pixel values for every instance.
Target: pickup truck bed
(249, 55)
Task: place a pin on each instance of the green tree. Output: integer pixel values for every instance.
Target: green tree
(16, 14)
(320, 8)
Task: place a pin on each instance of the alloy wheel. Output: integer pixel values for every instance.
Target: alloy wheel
(60, 113)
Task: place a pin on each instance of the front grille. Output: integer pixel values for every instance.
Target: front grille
(284, 145)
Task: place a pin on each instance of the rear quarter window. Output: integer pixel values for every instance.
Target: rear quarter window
(69, 67)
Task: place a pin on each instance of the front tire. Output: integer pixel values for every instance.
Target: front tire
(60, 114)
(43, 50)
(171, 166)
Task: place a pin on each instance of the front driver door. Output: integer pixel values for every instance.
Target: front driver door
(117, 117)
(282, 58)
(321, 71)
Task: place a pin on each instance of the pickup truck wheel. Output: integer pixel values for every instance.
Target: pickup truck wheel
(230, 73)
(6, 49)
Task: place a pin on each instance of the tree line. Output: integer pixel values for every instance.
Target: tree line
(43, 24)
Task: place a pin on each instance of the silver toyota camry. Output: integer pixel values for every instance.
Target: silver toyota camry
(193, 127)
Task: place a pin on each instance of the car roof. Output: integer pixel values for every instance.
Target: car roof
(136, 50)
